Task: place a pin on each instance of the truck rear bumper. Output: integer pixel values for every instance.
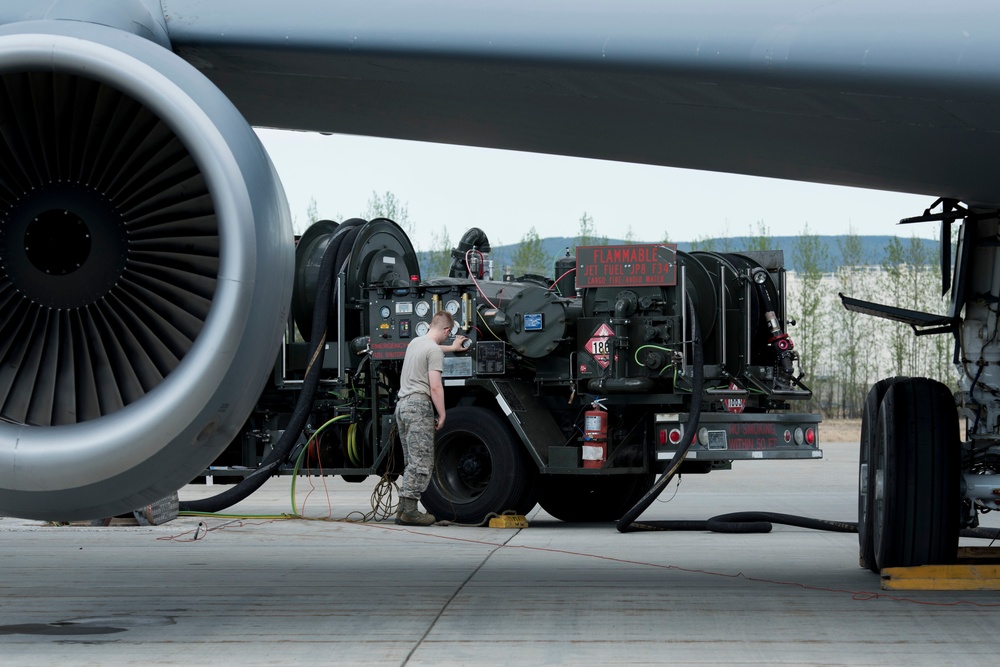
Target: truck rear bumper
(741, 436)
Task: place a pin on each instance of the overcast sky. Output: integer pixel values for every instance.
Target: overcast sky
(505, 193)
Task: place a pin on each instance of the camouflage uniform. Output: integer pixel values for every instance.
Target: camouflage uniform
(415, 421)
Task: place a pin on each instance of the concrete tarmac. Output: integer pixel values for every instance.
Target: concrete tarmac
(259, 591)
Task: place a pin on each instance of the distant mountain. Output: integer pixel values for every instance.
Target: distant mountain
(873, 248)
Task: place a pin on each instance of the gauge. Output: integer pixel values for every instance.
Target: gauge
(422, 308)
(384, 311)
(452, 307)
(422, 328)
(454, 329)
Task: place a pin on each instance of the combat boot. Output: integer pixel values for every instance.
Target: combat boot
(409, 515)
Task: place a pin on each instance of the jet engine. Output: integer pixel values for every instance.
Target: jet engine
(146, 263)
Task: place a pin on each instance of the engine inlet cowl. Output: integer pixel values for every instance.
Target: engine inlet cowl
(145, 270)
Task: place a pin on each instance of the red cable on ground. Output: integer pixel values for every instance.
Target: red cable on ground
(855, 595)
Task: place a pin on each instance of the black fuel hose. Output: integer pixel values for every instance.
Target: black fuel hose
(303, 405)
(736, 522)
(348, 233)
(747, 522)
(761, 522)
(625, 524)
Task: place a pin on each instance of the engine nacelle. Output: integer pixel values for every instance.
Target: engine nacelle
(146, 265)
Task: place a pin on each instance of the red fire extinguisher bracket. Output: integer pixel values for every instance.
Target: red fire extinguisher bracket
(595, 437)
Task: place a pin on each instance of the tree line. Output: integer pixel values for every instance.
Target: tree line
(843, 352)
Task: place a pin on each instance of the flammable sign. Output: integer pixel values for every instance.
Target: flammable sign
(599, 345)
(735, 405)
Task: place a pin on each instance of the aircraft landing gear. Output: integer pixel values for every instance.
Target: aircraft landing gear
(866, 471)
(913, 507)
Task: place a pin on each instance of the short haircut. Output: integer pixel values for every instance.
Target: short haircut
(443, 316)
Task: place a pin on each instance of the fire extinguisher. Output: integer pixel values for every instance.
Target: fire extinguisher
(595, 436)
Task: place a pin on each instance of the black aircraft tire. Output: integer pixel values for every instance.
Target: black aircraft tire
(591, 498)
(866, 472)
(917, 503)
(479, 468)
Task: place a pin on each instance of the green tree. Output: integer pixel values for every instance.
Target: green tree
(761, 240)
(703, 243)
(530, 256)
(850, 337)
(630, 236)
(922, 294)
(312, 215)
(500, 257)
(810, 257)
(588, 234)
(724, 242)
(439, 256)
(931, 355)
(895, 280)
(312, 211)
(387, 205)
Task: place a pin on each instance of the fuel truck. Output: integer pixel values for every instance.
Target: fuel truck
(573, 393)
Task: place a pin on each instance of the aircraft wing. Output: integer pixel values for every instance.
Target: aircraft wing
(889, 95)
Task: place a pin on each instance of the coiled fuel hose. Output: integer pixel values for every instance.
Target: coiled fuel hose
(303, 405)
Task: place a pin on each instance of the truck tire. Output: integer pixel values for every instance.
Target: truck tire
(917, 502)
(592, 498)
(529, 497)
(480, 468)
(866, 471)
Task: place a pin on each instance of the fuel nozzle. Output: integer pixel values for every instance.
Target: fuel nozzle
(780, 341)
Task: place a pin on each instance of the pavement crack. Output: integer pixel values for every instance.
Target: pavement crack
(454, 595)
